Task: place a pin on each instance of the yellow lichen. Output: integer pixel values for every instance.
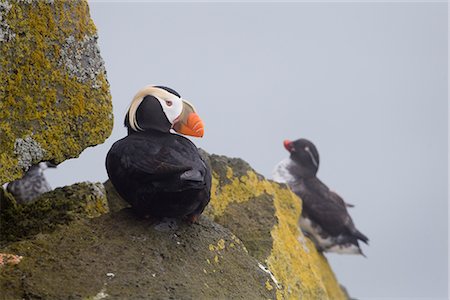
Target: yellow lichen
(302, 272)
(229, 172)
(221, 244)
(239, 190)
(234, 238)
(268, 285)
(38, 97)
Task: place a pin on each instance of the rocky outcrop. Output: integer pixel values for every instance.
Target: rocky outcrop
(257, 251)
(54, 95)
(51, 210)
(118, 256)
(264, 215)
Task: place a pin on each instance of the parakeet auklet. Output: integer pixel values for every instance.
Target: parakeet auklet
(160, 173)
(324, 218)
(32, 184)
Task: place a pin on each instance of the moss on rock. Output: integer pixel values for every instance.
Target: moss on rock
(50, 210)
(128, 258)
(258, 239)
(54, 96)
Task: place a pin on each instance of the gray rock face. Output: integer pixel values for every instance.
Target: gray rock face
(6, 33)
(122, 257)
(82, 59)
(27, 151)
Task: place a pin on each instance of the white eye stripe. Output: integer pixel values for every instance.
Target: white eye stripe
(172, 111)
(315, 162)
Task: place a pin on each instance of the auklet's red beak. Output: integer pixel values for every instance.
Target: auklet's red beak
(288, 145)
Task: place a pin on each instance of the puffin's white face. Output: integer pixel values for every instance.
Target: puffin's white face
(170, 103)
(179, 112)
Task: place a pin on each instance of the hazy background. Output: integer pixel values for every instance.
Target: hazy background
(366, 82)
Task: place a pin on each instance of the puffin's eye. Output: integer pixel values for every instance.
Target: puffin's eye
(169, 103)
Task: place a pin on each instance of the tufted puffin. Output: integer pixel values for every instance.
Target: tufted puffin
(324, 218)
(160, 173)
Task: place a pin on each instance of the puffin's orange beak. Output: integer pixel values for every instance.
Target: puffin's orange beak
(189, 123)
(192, 127)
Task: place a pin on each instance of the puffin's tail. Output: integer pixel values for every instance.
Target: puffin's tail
(361, 236)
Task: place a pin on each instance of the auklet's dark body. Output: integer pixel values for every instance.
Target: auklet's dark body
(32, 184)
(324, 218)
(161, 174)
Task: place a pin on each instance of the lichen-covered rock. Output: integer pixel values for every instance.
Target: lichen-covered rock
(58, 207)
(122, 257)
(264, 215)
(54, 95)
(259, 253)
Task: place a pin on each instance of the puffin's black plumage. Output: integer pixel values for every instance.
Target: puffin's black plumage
(159, 173)
(324, 216)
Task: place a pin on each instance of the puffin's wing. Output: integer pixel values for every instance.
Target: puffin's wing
(199, 174)
(207, 177)
(141, 158)
(160, 164)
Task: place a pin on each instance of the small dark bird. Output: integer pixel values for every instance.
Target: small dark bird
(32, 184)
(324, 218)
(160, 173)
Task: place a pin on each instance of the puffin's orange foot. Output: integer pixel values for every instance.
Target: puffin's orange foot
(192, 219)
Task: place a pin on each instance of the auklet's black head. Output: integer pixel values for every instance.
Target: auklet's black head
(161, 108)
(305, 155)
